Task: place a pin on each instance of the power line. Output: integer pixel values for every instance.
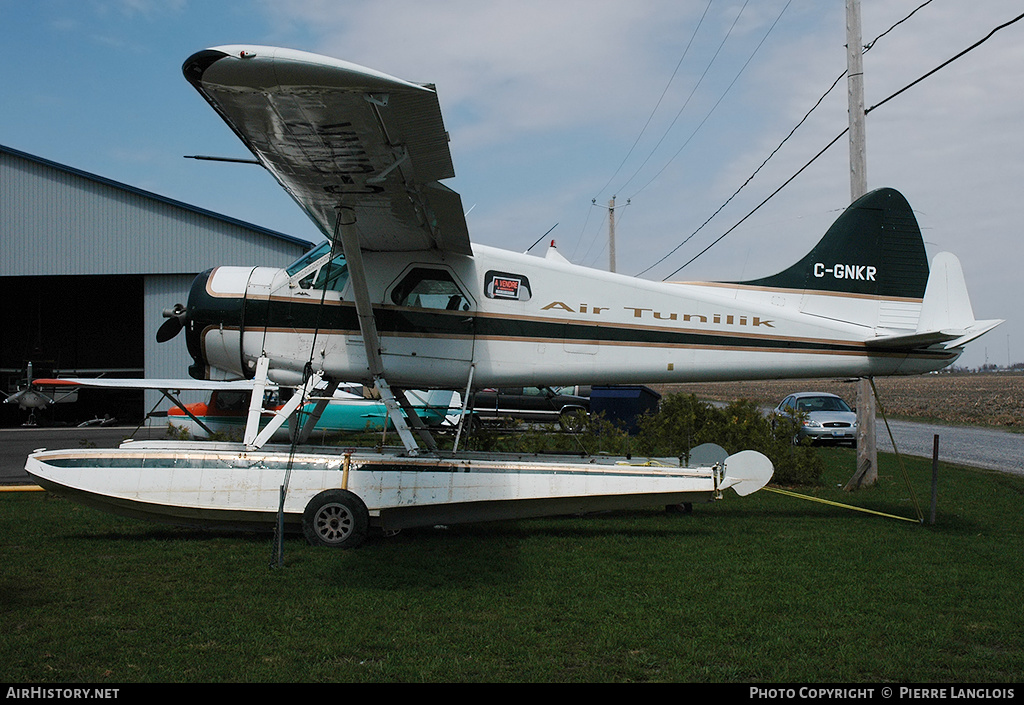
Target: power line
(651, 117)
(713, 108)
(660, 99)
(943, 65)
(870, 44)
(758, 206)
(776, 150)
(836, 139)
(749, 178)
(690, 97)
(686, 103)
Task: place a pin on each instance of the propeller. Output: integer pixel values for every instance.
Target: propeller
(175, 322)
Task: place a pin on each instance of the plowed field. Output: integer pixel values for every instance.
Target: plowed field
(991, 399)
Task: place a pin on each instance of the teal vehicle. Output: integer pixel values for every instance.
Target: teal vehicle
(351, 411)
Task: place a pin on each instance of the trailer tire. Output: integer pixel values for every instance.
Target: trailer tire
(336, 519)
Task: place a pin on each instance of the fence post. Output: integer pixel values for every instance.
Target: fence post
(935, 477)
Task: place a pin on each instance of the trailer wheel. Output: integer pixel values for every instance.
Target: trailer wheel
(335, 518)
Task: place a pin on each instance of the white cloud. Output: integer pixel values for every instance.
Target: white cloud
(544, 100)
(505, 69)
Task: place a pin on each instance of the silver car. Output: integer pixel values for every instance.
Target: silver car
(819, 416)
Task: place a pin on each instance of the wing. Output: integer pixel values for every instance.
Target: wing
(241, 385)
(336, 134)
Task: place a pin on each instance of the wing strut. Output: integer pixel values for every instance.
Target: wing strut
(252, 419)
(415, 421)
(302, 432)
(465, 403)
(368, 326)
(254, 437)
(188, 412)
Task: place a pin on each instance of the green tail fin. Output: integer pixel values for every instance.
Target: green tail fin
(874, 248)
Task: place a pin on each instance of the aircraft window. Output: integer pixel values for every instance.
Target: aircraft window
(333, 276)
(503, 285)
(430, 288)
(308, 258)
(230, 401)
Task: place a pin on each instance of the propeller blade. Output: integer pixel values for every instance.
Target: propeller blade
(170, 328)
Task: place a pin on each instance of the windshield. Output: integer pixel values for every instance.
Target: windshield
(810, 404)
(308, 258)
(332, 276)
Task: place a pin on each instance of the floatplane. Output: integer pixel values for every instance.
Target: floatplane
(398, 298)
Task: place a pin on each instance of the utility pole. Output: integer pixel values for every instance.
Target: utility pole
(855, 93)
(611, 231)
(867, 452)
(611, 235)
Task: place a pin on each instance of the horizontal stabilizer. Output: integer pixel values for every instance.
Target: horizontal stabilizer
(947, 318)
(914, 340)
(976, 331)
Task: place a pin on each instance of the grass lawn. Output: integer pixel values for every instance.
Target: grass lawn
(766, 588)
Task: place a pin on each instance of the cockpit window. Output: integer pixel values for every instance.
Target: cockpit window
(308, 258)
(333, 276)
(430, 288)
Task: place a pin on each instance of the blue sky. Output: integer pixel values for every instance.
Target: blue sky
(553, 106)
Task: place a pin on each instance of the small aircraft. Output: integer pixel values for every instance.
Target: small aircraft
(399, 298)
(33, 397)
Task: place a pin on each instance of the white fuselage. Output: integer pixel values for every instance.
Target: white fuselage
(522, 320)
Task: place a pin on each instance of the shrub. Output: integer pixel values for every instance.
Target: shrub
(681, 423)
(684, 422)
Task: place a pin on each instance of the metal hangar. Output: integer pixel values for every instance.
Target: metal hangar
(87, 266)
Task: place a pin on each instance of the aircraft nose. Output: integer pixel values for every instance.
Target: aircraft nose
(215, 306)
(196, 314)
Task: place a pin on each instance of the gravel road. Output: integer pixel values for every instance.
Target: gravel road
(964, 445)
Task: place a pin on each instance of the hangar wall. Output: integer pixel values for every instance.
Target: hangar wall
(64, 232)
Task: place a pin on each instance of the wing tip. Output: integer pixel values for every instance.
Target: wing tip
(197, 64)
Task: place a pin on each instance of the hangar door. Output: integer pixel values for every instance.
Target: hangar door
(73, 325)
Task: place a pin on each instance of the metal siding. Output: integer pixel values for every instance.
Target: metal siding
(56, 221)
(170, 359)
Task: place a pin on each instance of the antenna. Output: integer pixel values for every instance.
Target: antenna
(540, 238)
